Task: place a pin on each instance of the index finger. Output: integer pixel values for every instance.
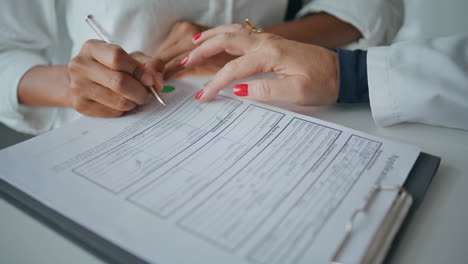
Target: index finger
(153, 65)
(212, 32)
(232, 43)
(156, 67)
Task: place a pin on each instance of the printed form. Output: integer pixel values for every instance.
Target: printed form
(229, 181)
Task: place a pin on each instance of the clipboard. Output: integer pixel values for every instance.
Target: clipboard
(385, 242)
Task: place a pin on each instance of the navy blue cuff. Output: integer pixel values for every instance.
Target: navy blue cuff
(353, 76)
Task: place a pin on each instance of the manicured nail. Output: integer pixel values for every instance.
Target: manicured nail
(196, 36)
(199, 94)
(241, 89)
(146, 79)
(182, 62)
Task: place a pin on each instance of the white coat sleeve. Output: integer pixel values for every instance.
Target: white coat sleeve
(420, 81)
(377, 20)
(28, 32)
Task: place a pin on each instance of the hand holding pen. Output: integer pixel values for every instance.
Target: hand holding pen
(106, 81)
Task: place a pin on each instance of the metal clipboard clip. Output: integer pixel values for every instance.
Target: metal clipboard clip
(382, 239)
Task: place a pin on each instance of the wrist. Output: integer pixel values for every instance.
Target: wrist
(322, 29)
(63, 91)
(44, 86)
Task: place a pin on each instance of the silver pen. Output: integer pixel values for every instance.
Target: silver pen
(99, 31)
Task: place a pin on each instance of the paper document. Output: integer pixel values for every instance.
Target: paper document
(229, 181)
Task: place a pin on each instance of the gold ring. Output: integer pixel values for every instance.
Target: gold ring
(252, 27)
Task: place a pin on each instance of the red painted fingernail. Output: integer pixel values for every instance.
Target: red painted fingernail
(196, 36)
(241, 89)
(199, 94)
(182, 62)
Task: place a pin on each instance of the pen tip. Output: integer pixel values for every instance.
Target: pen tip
(89, 16)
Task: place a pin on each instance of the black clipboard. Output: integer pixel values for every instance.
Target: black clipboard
(417, 183)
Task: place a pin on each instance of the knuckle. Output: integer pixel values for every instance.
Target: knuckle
(156, 65)
(122, 104)
(75, 65)
(75, 88)
(117, 56)
(139, 56)
(137, 53)
(271, 45)
(237, 27)
(229, 35)
(118, 81)
(89, 45)
(183, 25)
(274, 50)
(270, 37)
(231, 67)
(89, 42)
(263, 89)
(226, 36)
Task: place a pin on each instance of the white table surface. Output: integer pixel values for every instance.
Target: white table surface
(438, 232)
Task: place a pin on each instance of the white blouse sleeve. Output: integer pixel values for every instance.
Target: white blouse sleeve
(377, 20)
(28, 33)
(420, 81)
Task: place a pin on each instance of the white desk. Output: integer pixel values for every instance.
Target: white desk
(438, 232)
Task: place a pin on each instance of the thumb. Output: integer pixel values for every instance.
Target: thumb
(153, 66)
(266, 89)
(156, 67)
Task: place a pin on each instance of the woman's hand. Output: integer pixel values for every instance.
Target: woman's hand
(305, 74)
(105, 81)
(178, 44)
